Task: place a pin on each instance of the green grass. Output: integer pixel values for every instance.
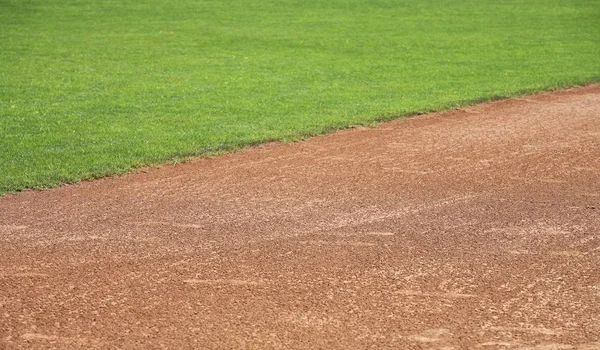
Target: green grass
(90, 88)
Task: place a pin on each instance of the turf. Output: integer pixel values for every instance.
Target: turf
(90, 88)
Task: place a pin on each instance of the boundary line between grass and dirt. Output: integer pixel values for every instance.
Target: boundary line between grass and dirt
(304, 135)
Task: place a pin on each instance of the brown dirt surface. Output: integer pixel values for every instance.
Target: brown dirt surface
(470, 229)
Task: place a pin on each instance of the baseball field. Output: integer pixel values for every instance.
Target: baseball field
(470, 229)
(90, 88)
(474, 225)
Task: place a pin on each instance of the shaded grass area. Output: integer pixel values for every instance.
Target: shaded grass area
(90, 88)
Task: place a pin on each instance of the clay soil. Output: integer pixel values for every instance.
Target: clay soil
(470, 229)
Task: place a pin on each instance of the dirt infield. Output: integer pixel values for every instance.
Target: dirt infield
(470, 229)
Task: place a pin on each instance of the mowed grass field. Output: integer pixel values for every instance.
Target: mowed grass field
(90, 88)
